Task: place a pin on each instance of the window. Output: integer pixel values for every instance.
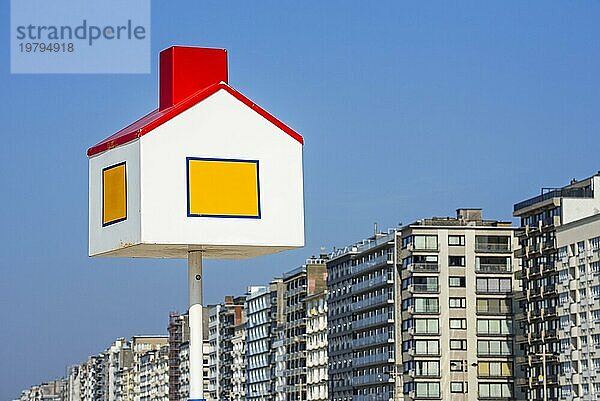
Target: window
(492, 243)
(494, 369)
(456, 240)
(495, 390)
(426, 242)
(494, 327)
(457, 366)
(494, 305)
(494, 285)
(458, 324)
(427, 390)
(458, 387)
(460, 345)
(456, 282)
(457, 303)
(456, 261)
(427, 347)
(494, 348)
(427, 305)
(493, 264)
(427, 368)
(427, 326)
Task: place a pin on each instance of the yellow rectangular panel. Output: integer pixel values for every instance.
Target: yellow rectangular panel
(223, 188)
(114, 194)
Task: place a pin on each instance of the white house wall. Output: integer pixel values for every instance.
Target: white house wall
(220, 127)
(125, 233)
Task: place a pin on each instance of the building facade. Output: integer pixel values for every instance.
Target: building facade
(316, 347)
(299, 283)
(264, 311)
(557, 236)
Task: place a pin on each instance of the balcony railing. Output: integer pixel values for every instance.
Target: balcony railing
(369, 264)
(493, 268)
(585, 192)
(424, 267)
(491, 248)
(424, 288)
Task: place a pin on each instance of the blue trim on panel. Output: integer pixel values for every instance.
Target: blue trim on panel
(102, 200)
(214, 159)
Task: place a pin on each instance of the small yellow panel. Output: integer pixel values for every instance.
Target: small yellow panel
(114, 194)
(223, 188)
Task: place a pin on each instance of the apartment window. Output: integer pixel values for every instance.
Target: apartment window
(427, 305)
(494, 348)
(494, 305)
(495, 390)
(456, 240)
(458, 345)
(457, 366)
(427, 368)
(458, 387)
(456, 261)
(494, 285)
(458, 324)
(492, 243)
(494, 369)
(425, 242)
(427, 347)
(457, 303)
(427, 326)
(456, 281)
(494, 327)
(427, 390)
(493, 264)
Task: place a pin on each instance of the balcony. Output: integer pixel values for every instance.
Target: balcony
(371, 302)
(424, 267)
(492, 247)
(370, 283)
(424, 288)
(493, 268)
(383, 357)
(370, 264)
(372, 321)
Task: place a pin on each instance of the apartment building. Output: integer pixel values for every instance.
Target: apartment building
(264, 311)
(222, 320)
(424, 312)
(279, 350)
(558, 238)
(361, 320)
(153, 371)
(458, 334)
(118, 359)
(316, 347)
(179, 333)
(238, 366)
(184, 369)
(55, 390)
(299, 283)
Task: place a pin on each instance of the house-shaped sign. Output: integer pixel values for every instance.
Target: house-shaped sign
(208, 170)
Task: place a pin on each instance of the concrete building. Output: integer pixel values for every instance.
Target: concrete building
(279, 350)
(118, 358)
(424, 312)
(361, 320)
(150, 368)
(55, 390)
(238, 366)
(264, 311)
(299, 283)
(316, 347)
(222, 320)
(458, 334)
(558, 237)
(153, 371)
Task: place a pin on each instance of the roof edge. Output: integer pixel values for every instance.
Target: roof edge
(158, 117)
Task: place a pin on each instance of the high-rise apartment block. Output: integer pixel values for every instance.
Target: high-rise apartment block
(558, 237)
(264, 311)
(424, 312)
(316, 347)
(299, 284)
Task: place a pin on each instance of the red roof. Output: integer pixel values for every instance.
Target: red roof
(158, 117)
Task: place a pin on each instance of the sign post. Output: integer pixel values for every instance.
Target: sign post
(208, 174)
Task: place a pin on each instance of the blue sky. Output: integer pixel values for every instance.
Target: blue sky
(408, 110)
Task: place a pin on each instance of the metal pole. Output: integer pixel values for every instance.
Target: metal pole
(196, 329)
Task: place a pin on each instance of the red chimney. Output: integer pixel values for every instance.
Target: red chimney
(186, 70)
